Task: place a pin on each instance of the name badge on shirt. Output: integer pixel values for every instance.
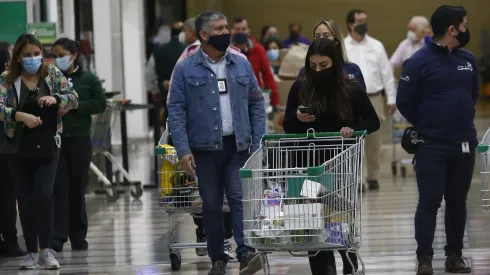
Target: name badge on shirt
(465, 146)
(222, 87)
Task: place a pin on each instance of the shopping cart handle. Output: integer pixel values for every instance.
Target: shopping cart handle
(482, 148)
(311, 135)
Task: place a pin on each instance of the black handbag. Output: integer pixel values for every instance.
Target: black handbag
(40, 142)
(410, 140)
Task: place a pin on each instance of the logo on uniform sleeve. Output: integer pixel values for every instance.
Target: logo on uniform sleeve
(405, 78)
(350, 76)
(468, 67)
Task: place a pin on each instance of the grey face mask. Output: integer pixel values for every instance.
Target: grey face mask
(361, 29)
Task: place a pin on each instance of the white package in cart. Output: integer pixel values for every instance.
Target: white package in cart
(304, 216)
(312, 189)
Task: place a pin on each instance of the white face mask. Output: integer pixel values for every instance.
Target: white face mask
(412, 36)
(182, 37)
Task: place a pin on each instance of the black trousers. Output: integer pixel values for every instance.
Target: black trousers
(442, 170)
(8, 204)
(34, 180)
(69, 191)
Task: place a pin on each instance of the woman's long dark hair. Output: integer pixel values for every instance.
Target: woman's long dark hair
(4, 55)
(15, 67)
(73, 47)
(336, 98)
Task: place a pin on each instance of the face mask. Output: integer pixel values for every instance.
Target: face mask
(182, 37)
(463, 38)
(63, 63)
(323, 78)
(273, 54)
(412, 36)
(294, 35)
(361, 29)
(220, 42)
(32, 64)
(240, 38)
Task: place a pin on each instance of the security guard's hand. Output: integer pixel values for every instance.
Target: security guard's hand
(391, 109)
(187, 162)
(346, 132)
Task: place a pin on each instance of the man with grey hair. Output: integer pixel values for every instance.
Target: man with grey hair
(189, 33)
(216, 119)
(418, 27)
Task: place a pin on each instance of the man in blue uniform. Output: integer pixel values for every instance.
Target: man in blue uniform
(437, 93)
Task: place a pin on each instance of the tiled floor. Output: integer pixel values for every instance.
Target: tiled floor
(131, 236)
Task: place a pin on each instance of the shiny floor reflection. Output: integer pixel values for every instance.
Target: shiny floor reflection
(131, 236)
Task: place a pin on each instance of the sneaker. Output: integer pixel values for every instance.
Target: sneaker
(373, 184)
(229, 252)
(29, 262)
(457, 264)
(56, 245)
(82, 245)
(219, 268)
(47, 260)
(201, 238)
(424, 265)
(250, 263)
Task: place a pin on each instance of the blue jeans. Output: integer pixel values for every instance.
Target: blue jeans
(218, 174)
(442, 170)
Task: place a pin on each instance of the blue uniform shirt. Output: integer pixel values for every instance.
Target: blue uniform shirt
(437, 93)
(350, 69)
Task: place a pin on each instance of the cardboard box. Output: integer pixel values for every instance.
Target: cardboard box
(304, 216)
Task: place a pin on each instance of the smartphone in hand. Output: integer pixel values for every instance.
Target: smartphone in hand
(305, 110)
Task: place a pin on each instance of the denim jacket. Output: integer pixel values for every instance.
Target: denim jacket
(193, 120)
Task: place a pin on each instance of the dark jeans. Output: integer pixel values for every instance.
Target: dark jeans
(34, 179)
(70, 219)
(442, 170)
(8, 204)
(218, 173)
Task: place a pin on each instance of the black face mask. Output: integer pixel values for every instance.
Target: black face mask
(323, 78)
(463, 38)
(294, 36)
(361, 29)
(220, 42)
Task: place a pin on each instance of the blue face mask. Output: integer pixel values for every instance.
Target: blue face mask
(273, 54)
(32, 64)
(63, 63)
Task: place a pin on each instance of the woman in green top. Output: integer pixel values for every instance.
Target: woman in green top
(76, 148)
(31, 94)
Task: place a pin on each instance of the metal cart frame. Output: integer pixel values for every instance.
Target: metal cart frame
(484, 151)
(324, 215)
(101, 137)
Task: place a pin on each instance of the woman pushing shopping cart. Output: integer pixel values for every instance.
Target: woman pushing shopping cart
(301, 190)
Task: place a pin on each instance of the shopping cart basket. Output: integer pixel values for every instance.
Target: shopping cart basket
(179, 194)
(101, 142)
(483, 149)
(398, 124)
(301, 192)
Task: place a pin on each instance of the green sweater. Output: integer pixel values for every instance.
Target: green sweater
(91, 101)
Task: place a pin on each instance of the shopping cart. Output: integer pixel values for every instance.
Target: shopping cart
(302, 192)
(398, 124)
(179, 194)
(483, 149)
(101, 142)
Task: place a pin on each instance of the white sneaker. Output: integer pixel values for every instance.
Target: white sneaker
(29, 262)
(48, 261)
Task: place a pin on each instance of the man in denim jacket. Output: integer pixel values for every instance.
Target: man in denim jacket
(217, 118)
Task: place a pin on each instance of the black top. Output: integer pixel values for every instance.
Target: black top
(365, 117)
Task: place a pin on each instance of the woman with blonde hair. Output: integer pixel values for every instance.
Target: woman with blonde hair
(327, 28)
